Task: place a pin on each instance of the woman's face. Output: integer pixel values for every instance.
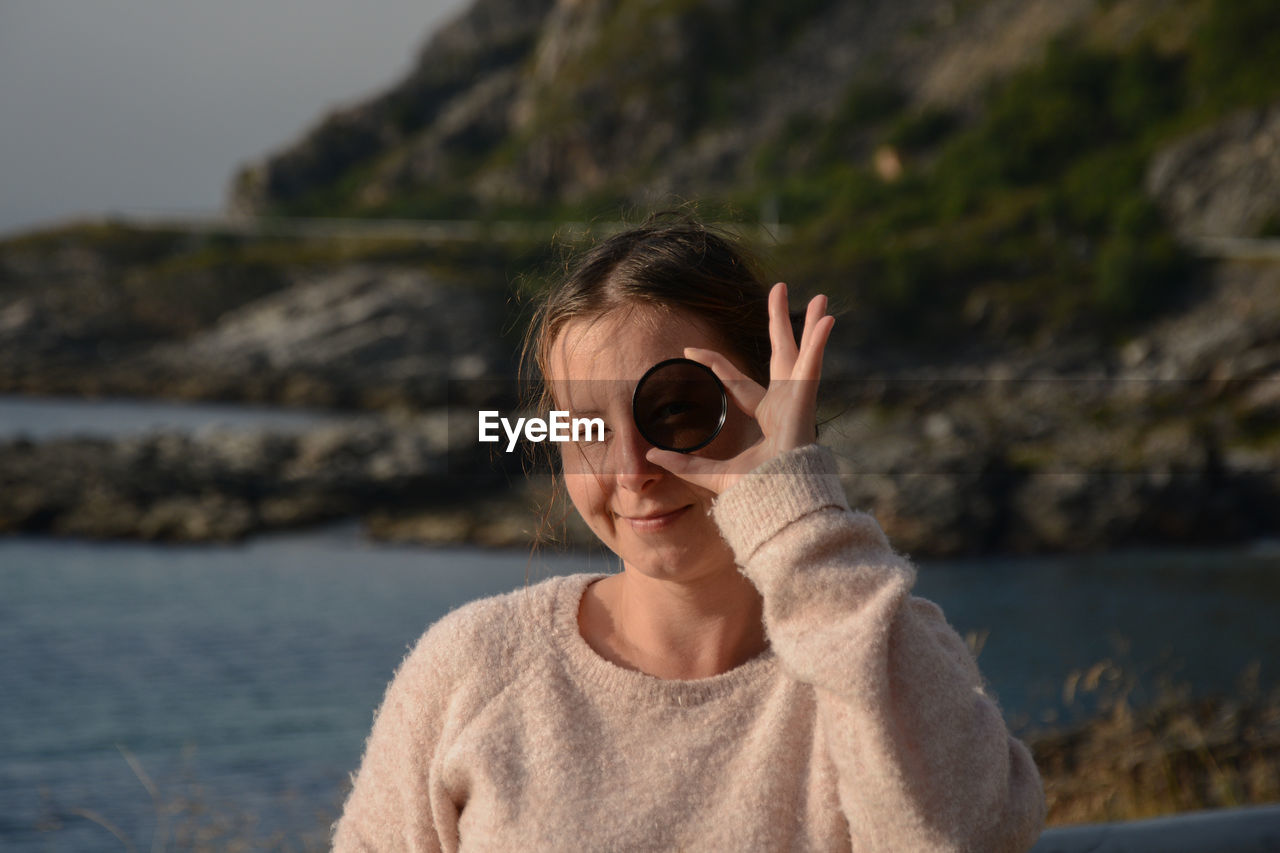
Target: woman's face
(655, 522)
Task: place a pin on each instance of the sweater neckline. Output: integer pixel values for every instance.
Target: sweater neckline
(589, 668)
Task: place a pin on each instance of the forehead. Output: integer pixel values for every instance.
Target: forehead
(622, 345)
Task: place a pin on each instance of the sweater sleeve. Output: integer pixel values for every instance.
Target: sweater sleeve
(396, 802)
(923, 757)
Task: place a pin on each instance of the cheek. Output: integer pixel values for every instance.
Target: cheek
(585, 490)
(582, 460)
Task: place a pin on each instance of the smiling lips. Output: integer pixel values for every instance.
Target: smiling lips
(655, 521)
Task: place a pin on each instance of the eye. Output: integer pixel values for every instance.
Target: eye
(588, 445)
(670, 411)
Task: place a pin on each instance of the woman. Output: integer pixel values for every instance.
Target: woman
(756, 677)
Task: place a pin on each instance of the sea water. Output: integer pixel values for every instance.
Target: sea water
(148, 691)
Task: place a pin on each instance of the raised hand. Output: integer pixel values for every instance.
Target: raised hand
(785, 411)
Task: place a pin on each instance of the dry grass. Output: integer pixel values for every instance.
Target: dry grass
(188, 817)
(1174, 755)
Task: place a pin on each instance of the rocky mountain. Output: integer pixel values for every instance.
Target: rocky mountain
(937, 161)
(535, 102)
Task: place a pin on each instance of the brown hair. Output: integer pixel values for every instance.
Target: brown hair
(672, 262)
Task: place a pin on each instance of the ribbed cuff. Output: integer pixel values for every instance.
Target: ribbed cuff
(778, 493)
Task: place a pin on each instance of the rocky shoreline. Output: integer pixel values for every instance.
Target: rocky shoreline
(1172, 438)
(950, 465)
(225, 485)
(938, 497)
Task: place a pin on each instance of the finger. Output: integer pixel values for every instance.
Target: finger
(694, 469)
(809, 363)
(816, 310)
(745, 391)
(781, 338)
(719, 363)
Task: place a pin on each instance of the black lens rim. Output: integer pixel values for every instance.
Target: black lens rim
(724, 403)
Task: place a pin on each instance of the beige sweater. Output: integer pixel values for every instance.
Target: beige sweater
(864, 726)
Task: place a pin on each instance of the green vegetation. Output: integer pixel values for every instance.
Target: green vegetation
(1271, 227)
(722, 42)
(114, 245)
(922, 131)
(866, 104)
(1037, 205)
(1236, 54)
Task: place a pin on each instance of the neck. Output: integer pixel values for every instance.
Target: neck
(674, 629)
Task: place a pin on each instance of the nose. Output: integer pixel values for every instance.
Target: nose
(632, 470)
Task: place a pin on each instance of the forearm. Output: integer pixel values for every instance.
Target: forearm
(921, 751)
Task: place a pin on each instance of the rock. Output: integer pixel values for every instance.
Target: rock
(1229, 337)
(1222, 181)
(1059, 463)
(359, 336)
(224, 485)
(197, 518)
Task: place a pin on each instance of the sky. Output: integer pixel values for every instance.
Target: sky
(147, 107)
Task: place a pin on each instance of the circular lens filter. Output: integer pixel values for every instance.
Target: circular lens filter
(680, 405)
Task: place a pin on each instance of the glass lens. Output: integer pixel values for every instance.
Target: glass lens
(679, 405)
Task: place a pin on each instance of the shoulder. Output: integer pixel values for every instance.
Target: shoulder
(483, 645)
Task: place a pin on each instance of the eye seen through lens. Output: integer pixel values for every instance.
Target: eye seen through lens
(679, 405)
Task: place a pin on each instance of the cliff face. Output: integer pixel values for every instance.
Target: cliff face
(542, 101)
(451, 102)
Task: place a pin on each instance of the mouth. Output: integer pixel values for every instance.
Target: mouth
(654, 521)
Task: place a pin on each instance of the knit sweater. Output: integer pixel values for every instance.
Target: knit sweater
(863, 726)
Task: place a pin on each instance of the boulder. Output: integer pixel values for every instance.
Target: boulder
(1224, 180)
(360, 337)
